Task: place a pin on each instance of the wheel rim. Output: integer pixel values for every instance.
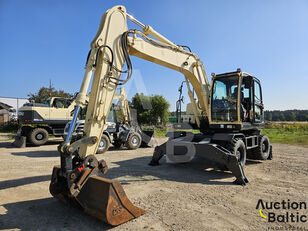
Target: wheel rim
(135, 141)
(39, 136)
(102, 144)
(240, 155)
(265, 146)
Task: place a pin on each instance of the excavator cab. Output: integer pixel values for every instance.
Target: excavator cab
(236, 102)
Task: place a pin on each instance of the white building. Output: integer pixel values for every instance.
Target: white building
(15, 103)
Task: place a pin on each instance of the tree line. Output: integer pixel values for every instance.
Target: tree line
(45, 92)
(287, 115)
(151, 110)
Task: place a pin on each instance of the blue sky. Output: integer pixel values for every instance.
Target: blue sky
(43, 40)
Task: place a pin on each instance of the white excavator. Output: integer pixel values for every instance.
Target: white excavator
(228, 112)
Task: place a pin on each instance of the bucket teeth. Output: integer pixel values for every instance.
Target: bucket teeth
(100, 197)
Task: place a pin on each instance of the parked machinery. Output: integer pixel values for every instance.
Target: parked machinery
(39, 120)
(122, 128)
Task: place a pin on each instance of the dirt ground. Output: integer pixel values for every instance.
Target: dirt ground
(177, 197)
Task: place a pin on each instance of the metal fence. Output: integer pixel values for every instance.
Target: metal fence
(15, 103)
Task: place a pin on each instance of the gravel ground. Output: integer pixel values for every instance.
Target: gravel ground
(190, 196)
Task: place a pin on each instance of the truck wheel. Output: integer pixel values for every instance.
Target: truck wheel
(38, 136)
(263, 150)
(239, 149)
(103, 145)
(134, 141)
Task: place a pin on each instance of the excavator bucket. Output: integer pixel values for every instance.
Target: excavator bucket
(102, 198)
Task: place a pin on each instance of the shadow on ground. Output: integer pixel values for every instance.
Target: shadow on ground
(47, 214)
(9, 144)
(23, 181)
(36, 154)
(198, 170)
(122, 148)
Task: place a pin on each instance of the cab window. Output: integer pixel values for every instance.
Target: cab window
(258, 107)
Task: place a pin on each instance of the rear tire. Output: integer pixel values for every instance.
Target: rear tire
(263, 150)
(134, 141)
(38, 136)
(103, 145)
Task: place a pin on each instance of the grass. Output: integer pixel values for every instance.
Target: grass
(287, 133)
(278, 132)
(161, 132)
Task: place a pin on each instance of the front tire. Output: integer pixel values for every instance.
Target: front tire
(38, 136)
(239, 149)
(103, 145)
(134, 141)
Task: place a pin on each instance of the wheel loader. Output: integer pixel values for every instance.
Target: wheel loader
(228, 112)
(122, 128)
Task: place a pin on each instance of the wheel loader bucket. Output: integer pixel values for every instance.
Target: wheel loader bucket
(148, 139)
(102, 198)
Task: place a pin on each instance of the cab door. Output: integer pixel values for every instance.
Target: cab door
(257, 103)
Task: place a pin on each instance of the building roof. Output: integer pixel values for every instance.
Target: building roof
(5, 106)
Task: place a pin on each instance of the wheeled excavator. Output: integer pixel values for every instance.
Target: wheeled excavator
(39, 120)
(229, 114)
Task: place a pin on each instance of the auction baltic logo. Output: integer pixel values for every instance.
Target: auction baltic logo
(283, 211)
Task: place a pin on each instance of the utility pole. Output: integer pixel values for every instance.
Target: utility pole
(50, 87)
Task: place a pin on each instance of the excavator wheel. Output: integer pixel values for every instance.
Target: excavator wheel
(262, 152)
(238, 148)
(100, 197)
(38, 136)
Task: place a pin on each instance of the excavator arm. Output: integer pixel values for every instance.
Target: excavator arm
(111, 48)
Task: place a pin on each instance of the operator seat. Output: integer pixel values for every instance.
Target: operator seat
(243, 111)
